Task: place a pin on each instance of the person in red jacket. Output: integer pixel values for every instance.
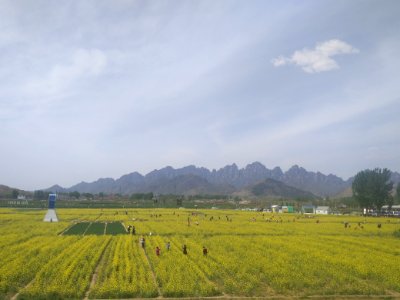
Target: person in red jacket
(158, 251)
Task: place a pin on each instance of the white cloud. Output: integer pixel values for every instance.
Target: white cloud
(318, 59)
(83, 63)
(279, 61)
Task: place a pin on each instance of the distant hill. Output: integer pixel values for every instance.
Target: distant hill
(226, 180)
(57, 188)
(348, 192)
(6, 191)
(317, 183)
(277, 189)
(189, 185)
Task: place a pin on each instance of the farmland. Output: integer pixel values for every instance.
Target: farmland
(250, 254)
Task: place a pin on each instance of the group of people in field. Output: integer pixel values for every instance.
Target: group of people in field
(184, 249)
(142, 240)
(142, 243)
(132, 229)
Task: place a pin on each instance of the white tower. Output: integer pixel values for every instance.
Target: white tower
(51, 215)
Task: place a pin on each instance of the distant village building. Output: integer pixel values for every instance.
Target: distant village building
(275, 208)
(308, 209)
(287, 209)
(394, 210)
(323, 210)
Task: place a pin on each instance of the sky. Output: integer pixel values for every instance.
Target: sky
(94, 89)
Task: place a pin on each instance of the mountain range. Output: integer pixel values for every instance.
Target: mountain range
(191, 180)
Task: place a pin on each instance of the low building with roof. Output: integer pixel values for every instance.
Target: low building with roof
(323, 210)
(308, 209)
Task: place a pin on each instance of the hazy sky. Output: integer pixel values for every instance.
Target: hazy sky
(92, 89)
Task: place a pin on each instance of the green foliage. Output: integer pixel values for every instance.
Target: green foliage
(74, 194)
(398, 193)
(88, 195)
(371, 188)
(15, 194)
(142, 196)
(96, 228)
(77, 229)
(114, 228)
(39, 195)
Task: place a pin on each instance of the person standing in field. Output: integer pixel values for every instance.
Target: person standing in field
(167, 245)
(184, 249)
(158, 251)
(142, 242)
(133, 230)
(205, 251)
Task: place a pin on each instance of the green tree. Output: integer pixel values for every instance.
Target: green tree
(371, 188)
(15, 194)
(39, 195)
(74, 194)
(390, 201)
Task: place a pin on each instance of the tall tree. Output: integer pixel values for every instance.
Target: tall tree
(361, 189)
(15, 194)
(371, 188)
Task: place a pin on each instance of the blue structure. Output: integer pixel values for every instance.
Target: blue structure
(51, 215)
(52, 201)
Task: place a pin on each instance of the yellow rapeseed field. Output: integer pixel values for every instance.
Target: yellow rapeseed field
(249, 254)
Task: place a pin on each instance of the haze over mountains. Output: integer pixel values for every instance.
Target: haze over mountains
(191, 180)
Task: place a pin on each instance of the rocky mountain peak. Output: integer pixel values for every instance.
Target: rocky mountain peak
(224, 180)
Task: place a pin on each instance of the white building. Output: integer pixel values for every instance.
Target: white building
(323, 210)
(276, 208)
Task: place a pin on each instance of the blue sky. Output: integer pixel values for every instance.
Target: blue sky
(92, 89)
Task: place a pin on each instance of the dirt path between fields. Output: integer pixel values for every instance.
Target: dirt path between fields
(96, 271)
(394, 294)
(25, 287)
(154, 275)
